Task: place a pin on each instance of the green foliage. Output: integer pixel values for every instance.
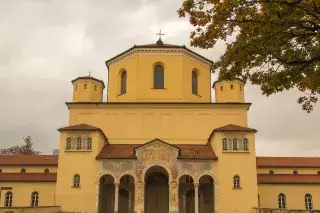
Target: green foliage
(277, 42)
(26, 149)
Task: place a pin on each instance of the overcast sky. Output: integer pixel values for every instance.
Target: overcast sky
(44, 44)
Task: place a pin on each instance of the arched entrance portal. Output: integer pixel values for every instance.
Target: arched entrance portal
(186, 194)
(126, 194)
(156, 190)
(106, 194)
(206, 194)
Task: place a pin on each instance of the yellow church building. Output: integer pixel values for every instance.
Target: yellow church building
(159, 144)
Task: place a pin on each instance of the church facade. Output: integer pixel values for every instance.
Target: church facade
(158, 144)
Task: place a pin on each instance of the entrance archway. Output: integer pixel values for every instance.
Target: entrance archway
(126, 194)
(186, 194)
(156, 190)
(206, 194)
(106, 194)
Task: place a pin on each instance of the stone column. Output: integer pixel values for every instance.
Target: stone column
(116, 197)
(216, 197)
(97, 196)
(173, 197)
(196, 197)
(139, 197)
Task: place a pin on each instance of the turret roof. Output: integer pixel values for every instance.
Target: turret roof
(89, 78)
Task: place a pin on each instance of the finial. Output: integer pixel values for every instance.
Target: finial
(159, 42)
(90, 72)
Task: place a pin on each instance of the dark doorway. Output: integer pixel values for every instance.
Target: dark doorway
(157, 190)
(126, 194)
(106, 194)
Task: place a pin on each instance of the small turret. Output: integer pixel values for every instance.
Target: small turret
(87, 89)
(229, 91)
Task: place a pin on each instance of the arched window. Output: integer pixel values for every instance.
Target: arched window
(194, 82)
(295, 172)
(235, 144)
(0, 170)
(236, 181)
(318, 173)
(123, 83)
(271, 172)
(245, 144)
(158, 77)
(23, 170)
(68, 144)
(35, 199)
(224, 144)
(76, 181)
(46, 170)
(282, 201)
(79, 143)
(308, 201)
(89, 143)
(231, 86)
(221, 88)
(8, 199)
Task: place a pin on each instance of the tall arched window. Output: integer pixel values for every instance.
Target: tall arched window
(123, 83)
(35, 199)
(224, 144)
(236, 181)
(281, 201)
(68, 144)
(308, 201)
(76, 180)
(8, 199)
(235, 144)
(89, 143)
(158, 77)
(79, 143)
(245, 144)
(194, 82)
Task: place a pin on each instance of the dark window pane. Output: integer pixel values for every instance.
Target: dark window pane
(158, 75)
(194, 83)
(123, 82)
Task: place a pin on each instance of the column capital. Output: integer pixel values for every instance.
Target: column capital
(196, 184)
(116, 184)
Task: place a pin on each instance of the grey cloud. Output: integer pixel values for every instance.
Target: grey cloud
(44, 44)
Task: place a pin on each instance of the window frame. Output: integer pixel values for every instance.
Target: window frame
(76, 181)
(224, 144)
(89, 142)
(34, 199)
(235, 144)
(282, 201)
(245, 144)
(158, 75)
(308, 201)
(79, 143)
(8, 199)
(123, 82)
(236, 182)
(194, 82)
(68, 143)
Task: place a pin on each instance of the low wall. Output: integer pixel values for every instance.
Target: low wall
(268, 210)
(40, 209)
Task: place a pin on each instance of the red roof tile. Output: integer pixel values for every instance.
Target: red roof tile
(28, 177)
(234, 128)
(80, 127)
(292, 162)
(196, 152)
(288, 179)
(28, 160)
(126, 151)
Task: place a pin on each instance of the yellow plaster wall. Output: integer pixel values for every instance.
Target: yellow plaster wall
(174, 123)
(22, 193)
(80, 94)
(268, 194)
(312, 171)
(227, 94)
(239, 163)
(177, 85)
(83, 163)
(29, 169)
